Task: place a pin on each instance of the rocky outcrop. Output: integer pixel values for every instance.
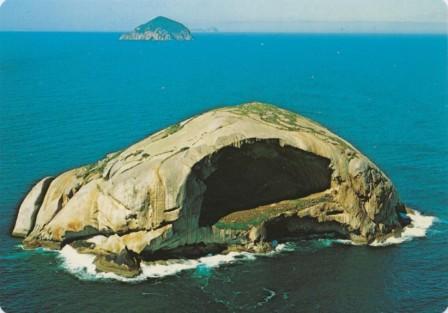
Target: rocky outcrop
(232, 178)
(26, 216)
(159, 28)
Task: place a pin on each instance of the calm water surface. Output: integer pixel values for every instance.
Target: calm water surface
(67, 99)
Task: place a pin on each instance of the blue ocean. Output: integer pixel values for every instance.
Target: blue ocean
(68, 99)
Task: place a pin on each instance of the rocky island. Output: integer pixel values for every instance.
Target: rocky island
(234, 178)
(159, 28)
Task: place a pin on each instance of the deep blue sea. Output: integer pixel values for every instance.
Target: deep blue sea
(67, 99)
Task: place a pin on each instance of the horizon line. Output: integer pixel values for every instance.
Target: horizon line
(345, 32)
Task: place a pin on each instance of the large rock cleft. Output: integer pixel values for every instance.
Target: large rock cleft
(232, 178)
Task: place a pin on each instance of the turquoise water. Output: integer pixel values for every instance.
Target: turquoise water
(67, 99)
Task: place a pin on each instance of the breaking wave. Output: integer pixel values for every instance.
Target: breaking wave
(83, 267)
(416, 229)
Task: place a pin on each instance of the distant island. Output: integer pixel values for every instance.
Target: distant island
(159, 28)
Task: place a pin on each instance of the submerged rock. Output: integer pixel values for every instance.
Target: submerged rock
(159, 28)
(242, 176)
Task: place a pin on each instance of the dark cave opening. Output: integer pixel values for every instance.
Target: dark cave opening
(258, 172)
(286, 228)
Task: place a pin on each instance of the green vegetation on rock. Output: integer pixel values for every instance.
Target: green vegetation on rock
(243, 220)
(159, 28)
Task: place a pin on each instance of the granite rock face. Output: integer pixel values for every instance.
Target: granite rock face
(29, 208)
(159, 28)
(232, 178)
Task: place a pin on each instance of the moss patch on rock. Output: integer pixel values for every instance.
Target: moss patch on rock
(244, 220)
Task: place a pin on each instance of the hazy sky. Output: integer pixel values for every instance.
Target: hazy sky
(228, 15)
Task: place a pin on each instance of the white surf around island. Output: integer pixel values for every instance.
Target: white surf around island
(83, 267)
(417, 228)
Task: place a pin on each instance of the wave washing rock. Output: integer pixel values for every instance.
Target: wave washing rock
(235, 178)
(159, 28)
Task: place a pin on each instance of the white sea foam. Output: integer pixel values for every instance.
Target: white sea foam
(347, 242)
(171, 267)
(416, 229)
(82, 266)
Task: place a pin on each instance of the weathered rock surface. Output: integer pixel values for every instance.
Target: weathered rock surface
(232, 177)
(159, 28)
(30, 206)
